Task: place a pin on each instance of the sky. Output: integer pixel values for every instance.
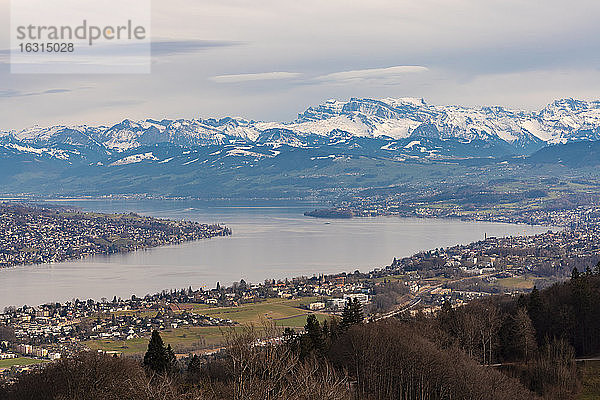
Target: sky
(271, 59)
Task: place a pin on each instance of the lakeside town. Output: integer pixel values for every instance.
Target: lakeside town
(36, 235)
(565, 201)
(421, 283)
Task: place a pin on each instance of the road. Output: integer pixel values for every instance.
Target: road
(416, 299)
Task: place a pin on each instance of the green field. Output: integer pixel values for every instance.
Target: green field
(283, 313)
(181, 339)
(272, 309)
(517, 283)
(21, 361)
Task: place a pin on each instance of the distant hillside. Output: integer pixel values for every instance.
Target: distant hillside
(577, 155)
(359, 143)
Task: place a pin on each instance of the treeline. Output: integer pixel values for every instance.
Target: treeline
(495, 348)
(570, 311)
(534, 337)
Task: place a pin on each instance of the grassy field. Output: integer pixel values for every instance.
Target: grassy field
(284, 313)
(590, 376)
(517, 282)
(19, 361)
(399, 277)
(272, 309)
(181, 339)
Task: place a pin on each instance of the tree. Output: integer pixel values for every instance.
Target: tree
(171, 358)
(523, 334)
(574, 274)
(535, 307)
(157, 357)
(90, 376)
(194, 366)
(448, 324)
(357, 312)
(352, 314)
(314, 335)
(7, 333)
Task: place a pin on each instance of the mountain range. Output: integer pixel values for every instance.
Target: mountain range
(402, 130)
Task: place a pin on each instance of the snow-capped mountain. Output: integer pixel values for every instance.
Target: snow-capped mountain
(404, 127)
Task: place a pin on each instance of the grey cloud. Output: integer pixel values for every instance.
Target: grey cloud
(362, 75)
(262, 76)
(173, 47)
(8, 93)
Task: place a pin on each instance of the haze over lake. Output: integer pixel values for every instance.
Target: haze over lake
(271, 240)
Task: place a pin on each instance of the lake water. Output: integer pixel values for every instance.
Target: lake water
(269, 241)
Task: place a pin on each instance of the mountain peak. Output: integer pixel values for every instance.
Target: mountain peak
(561, 121)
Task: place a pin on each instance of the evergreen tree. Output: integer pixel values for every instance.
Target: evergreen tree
(346, 316)
(195, 365)
(156, 358)
(535, 308)
(352, 314)
(574, 274)
(448, 322)
(314, 332)
(357, 312)
(325, 329)
(583, 306)
(171, 358)
(290, 338)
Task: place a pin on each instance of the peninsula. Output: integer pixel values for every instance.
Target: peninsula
(35, 235)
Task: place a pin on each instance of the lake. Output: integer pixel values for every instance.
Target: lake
(270, 240)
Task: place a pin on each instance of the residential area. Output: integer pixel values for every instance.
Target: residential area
(35, 235)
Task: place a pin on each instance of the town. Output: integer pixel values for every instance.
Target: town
(421, 283)
(35, 235)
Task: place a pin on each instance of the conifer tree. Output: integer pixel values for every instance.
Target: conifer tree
(156, 358)
(357, 312)
(352, 314)
(171, 358)
(194, 366)
(314, 332)
(574, 274)
(346, 317)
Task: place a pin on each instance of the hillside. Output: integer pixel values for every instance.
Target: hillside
(359, 143)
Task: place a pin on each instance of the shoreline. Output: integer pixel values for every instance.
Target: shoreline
(291, 278)
(35, 235)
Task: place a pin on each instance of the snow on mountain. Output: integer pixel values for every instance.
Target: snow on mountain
(134, 159)
(568, 120)
(335, 122)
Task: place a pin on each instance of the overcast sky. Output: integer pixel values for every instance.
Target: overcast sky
(270, 59)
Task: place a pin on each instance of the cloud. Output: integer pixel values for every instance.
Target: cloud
(8, 93)
(263, 76)
(174, 47)
(158, 48)
(362, 75)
